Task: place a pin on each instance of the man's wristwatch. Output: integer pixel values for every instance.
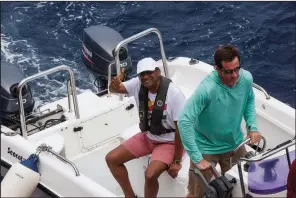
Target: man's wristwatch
(177, 161)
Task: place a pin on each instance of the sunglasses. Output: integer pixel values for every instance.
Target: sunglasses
(230, 71)
(142, 74)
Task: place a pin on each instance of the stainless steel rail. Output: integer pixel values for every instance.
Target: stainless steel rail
(65, 160)
(69, 95)
(109, 78)
(71, 91)
(135, 37)
(45, 148)
(263, 156)
(241, 144)
(270, 153)
(262, 89)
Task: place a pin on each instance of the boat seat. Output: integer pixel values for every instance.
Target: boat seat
(178, 184)
(183, 173)
(182, 179)
(269, 176)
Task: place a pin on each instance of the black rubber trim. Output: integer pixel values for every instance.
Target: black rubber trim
(40, 186)
(102, 93)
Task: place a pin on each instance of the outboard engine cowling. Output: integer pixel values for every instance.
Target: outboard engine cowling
(10, 79)
(98, 46)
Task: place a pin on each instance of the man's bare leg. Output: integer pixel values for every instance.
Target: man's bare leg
(152, 173)
(115, 160)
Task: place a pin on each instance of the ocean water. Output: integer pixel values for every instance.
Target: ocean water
(36, 36)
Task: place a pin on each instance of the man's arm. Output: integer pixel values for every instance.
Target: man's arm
(177, 103)
(194, 106)
(250, 112)
(250, 118)
(116, 85)
(176, 166)
(178, 144)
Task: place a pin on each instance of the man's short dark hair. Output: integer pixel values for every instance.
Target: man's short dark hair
(225, 53)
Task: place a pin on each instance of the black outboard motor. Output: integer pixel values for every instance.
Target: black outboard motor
(9, 109)
(98, 46)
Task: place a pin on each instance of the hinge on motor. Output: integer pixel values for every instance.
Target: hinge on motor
(76, 129)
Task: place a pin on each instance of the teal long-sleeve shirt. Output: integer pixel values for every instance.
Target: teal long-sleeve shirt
(211, 119)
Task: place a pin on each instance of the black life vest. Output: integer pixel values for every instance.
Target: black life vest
(156, 126)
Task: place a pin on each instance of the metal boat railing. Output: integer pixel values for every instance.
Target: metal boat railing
(45, 148)
(163, 56)
(109, 78)
(71, 91)
(262, 89)
(267, 154)
(133, 38)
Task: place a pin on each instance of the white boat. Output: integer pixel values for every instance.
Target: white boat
(79, 130)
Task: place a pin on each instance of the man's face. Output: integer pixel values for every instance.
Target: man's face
(149, 78)
(230, 72)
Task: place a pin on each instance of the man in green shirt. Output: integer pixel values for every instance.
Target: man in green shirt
(210, 124)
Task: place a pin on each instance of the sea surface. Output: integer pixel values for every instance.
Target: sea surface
(36, 36)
